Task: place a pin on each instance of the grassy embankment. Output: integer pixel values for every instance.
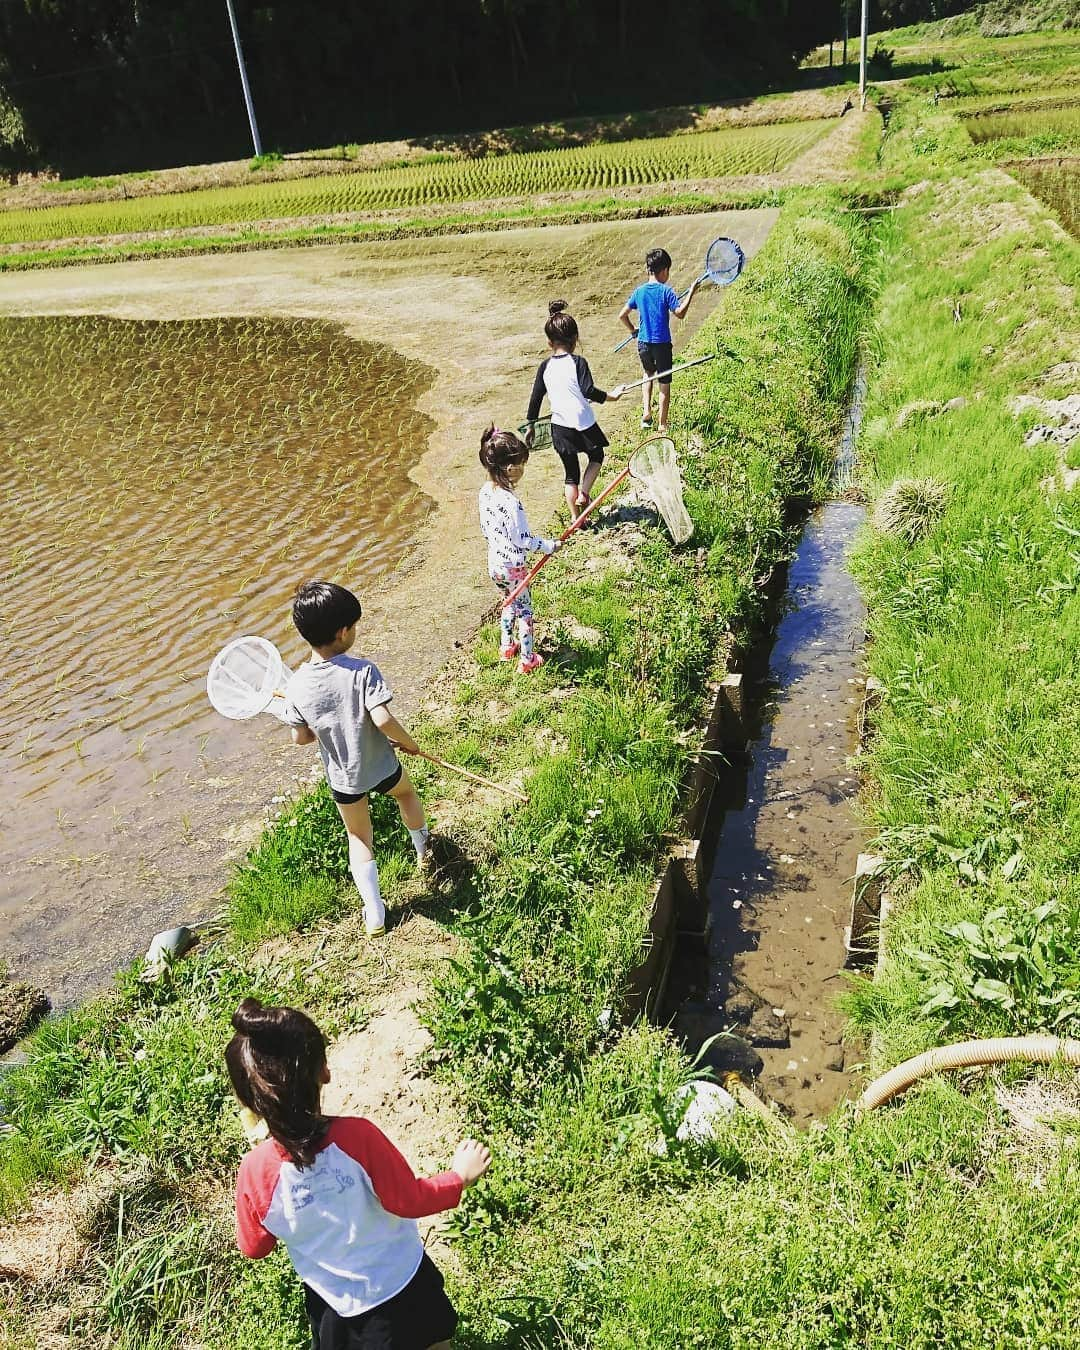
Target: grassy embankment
(975, 626)
(548, 906)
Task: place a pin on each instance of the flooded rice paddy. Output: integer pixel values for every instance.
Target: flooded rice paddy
(164, 485)
(185, 439)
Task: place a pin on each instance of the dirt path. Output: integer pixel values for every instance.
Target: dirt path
(470, 306)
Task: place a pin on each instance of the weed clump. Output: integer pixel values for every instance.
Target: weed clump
(911, 507)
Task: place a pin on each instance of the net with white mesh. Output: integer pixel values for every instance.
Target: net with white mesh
(247, 677)
(655, 466)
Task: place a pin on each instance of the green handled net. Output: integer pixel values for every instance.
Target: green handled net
(541, 433)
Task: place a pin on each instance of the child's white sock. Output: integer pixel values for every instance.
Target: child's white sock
(366, 875)
(420, 840)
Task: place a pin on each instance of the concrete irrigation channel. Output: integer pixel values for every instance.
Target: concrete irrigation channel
(97, 856)
(759, 901)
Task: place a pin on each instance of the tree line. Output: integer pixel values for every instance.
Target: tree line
(96, 86)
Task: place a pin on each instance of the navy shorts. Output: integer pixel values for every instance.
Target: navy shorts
(419, 1316)
(569, 443)
(347, 798)
(655, 356)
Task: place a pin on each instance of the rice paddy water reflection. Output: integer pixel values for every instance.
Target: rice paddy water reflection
(163, 486)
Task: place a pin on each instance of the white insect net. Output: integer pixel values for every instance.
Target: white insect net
(246, 678)
(656, 468)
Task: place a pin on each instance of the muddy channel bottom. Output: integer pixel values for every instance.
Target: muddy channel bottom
(780, 887)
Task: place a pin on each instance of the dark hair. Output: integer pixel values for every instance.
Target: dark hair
(656, 260)
(321, 610)
(276, 1061)
(561, 327)
(500, 449)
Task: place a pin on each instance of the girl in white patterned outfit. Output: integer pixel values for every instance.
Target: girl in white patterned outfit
(502, 519)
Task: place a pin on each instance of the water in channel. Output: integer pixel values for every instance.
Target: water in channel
(779, 894)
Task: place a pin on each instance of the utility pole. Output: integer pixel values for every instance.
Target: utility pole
(846, 3)
(244, 79)
(862, 53)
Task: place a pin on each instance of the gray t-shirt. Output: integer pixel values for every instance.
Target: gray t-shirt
(334, 698)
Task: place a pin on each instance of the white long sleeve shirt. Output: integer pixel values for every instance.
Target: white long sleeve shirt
(509, 540)
(568, 383)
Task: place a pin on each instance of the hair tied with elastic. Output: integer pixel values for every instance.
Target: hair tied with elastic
(557, 306)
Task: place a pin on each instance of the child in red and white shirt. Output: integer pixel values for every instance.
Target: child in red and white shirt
(339, 1195)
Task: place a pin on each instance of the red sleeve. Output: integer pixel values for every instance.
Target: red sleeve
(399, 1189)
(254, 1191)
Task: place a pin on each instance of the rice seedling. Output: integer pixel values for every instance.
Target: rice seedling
(708, 154)
(1057, 183)
(1050, 128)
(156, 424)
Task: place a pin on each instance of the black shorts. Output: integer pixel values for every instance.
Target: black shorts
(390, 781)
(421, 1315)
(569, 443)
(655, 356)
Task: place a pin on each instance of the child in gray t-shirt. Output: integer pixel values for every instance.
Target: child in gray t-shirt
(341, 702)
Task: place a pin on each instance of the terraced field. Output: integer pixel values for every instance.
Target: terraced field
(1060, 123)
(1056, 182)
(712, 154)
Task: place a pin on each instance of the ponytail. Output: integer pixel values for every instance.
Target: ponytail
(498, 450)
(276, 1062)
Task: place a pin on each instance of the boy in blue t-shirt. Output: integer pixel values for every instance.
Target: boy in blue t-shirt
(654, 301)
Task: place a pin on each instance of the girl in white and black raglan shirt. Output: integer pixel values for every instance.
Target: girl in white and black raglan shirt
(338, 1194)
(568, 383)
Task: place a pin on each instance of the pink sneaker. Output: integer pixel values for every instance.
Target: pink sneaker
(534, 663)
(508, 653)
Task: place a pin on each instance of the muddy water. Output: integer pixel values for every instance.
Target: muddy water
(780, 890)
(163, 486)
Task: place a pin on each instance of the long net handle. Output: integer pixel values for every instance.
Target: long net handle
(704, 277)
(648, 379)
(475, 777)
(527, 579)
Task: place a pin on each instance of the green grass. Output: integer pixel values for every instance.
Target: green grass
(970, 67)
(973, 626)
(1021, 134)
(88, 184)
(708, 154)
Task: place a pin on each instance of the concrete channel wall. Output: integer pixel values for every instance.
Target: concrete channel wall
(680, 902)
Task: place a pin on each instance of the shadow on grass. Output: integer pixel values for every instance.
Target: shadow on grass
(823, 77)
(529, 1323)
